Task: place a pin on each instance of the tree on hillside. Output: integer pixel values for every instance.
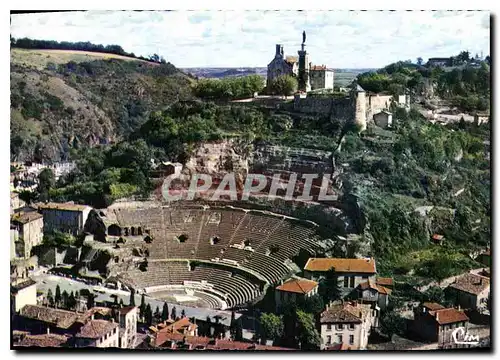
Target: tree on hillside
(183, 313)
(164, 312)
(71, 301)
(148, 315)
(290, 329)
(271, 327)
(308, 335)
(58, 297)
(157, 314)
(50, 298)
(46, 181)
(90, 301)
(238, 334)
(65, 299)
(329, 287)
(154, 58)
(284, 85)
(173, 315)
(207, 328)
(142, 307)
(232, 326)
(132, 297)
(313, 304)
(392, 323)
(420, 61)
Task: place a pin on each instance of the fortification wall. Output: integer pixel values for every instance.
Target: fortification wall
(375, 103)
(360, 110)
(339, 109)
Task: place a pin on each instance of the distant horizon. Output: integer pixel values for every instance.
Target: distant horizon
(247, 39)
(260, 67)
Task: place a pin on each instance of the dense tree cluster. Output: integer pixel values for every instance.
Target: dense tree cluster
(420, 163)
(229, 88)
(284, 85)
(466, 85)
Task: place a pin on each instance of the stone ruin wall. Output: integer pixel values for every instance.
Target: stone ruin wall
(339, 109)
(375, 103)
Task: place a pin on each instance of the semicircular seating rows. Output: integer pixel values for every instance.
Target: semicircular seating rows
(250, 240)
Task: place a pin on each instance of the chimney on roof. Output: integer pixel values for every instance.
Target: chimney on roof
(279, 50)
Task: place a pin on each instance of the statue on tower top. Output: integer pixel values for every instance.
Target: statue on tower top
(303, 37)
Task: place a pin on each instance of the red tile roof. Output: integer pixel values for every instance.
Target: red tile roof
(449, 316)
(299, 286)
(292, 59)
(342, 265)
(26, 217)
(384, 290)
(380, 289)
(127, 309)
(340, 347)
(471, 283)
(60, 318)
(63, 206)
(384, 281)
(44, 340)
(182, 327)
(95, 329)
(318, 67)
(432, 306)
(437, 237)
(348, 312)
(211, 344)
(15, 287)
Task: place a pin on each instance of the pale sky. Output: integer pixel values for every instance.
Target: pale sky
(338, 39)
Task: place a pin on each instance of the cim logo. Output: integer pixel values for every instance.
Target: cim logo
(460, 336)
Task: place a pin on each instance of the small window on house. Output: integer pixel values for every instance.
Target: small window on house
(351, 339)
(365, 277)
(352, 281)
(328, 339)
(340, 339)
(329, 327)
(351, 326)
(340, 327)
(182, 238)
(346, 281)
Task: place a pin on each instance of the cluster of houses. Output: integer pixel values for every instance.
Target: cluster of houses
(35, 325)
(343, 325)
(347, 324)
(28, 224)
(24, 176)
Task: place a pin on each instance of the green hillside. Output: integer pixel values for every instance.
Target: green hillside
(64, 99)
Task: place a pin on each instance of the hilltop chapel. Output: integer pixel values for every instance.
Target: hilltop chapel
(309, 76)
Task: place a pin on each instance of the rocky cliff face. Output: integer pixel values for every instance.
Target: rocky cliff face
(242, 156)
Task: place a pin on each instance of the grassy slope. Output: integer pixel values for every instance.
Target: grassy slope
(104, 98)
(40, 58)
